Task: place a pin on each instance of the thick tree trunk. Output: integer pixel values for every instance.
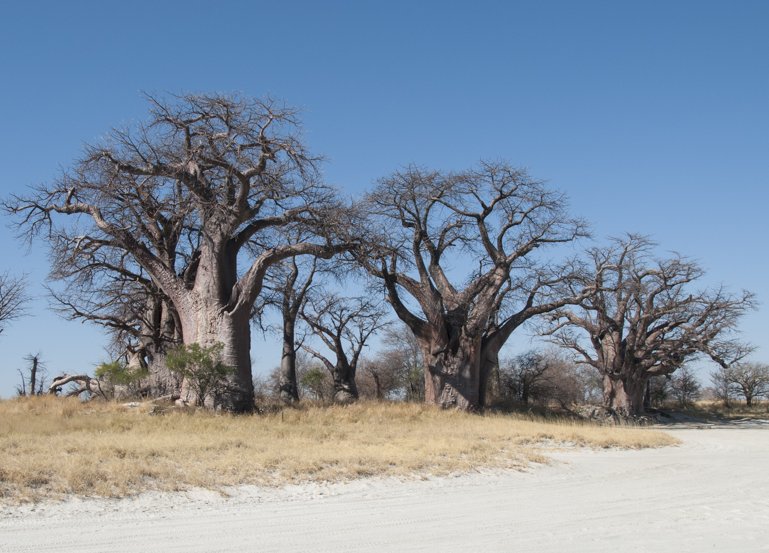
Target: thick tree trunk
(209, 325)
(210, 313)
(624, 395)
(162, 381)
(453, 375)
(287, 386)
(490, 385)
(345, 389)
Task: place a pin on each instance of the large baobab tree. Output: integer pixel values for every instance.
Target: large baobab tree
(645, 318)
(230, 171)
(455, 252)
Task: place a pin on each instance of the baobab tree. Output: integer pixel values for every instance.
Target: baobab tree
(749, 380)
(105, 287)
(402, 357)
(644, 318)
(288, 284)
(344, 325)
(231, 171)
(432, 231)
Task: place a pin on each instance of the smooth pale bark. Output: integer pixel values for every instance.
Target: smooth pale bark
(209, 325)
(624, 395)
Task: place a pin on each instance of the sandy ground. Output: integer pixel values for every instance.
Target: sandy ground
(709, 494)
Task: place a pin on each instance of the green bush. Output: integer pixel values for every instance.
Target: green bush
(202, 369)
(118, 374)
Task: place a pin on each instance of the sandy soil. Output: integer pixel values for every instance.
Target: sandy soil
(709, 494)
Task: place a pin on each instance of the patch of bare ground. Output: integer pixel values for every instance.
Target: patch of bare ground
(51, 448)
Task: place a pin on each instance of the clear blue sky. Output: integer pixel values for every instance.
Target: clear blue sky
(653, 116)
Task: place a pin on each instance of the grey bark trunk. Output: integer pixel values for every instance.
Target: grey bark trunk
(345, 389)
(624, 395)
(287, 385)
(209, 325)
(453, 375)
(210, 314)
(490, 385)
(33, 376)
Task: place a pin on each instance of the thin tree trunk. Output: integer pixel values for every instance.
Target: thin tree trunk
(490, 385)
(647, 401)
(287, 385)
(33, 375)
(378, 385)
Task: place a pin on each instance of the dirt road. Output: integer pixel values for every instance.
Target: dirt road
(709, 494)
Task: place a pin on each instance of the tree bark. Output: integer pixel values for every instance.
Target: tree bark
(624, 394)
(287, 386)
(489, 388)
(453, 375)
(33, 375)
(210, 324)
(345, 389)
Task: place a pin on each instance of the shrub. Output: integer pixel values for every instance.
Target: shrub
(202, 369)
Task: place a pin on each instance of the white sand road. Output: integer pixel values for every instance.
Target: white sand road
(711, 493)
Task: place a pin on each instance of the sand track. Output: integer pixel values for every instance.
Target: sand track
(709, 494)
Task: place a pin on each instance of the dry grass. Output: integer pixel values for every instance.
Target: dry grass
(51, 447)
(737, 410)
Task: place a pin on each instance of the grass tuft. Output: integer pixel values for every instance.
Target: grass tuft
(53, 447)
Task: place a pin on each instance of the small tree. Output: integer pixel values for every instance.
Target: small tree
(402, 354)
(344, 325)
(526, 377)
(120, 379)
(380, 379)
(684, 387)
(203, 371)
(544, 377)
(657, 391)
(749, 380)
(722, 391)
(315, 383)
(33, 383)
(13, 298)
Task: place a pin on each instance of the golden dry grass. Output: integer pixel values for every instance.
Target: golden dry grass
(736, 410)
(52, 447)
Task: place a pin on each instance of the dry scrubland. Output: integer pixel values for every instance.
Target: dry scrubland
(51, 447)
(737, 410)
